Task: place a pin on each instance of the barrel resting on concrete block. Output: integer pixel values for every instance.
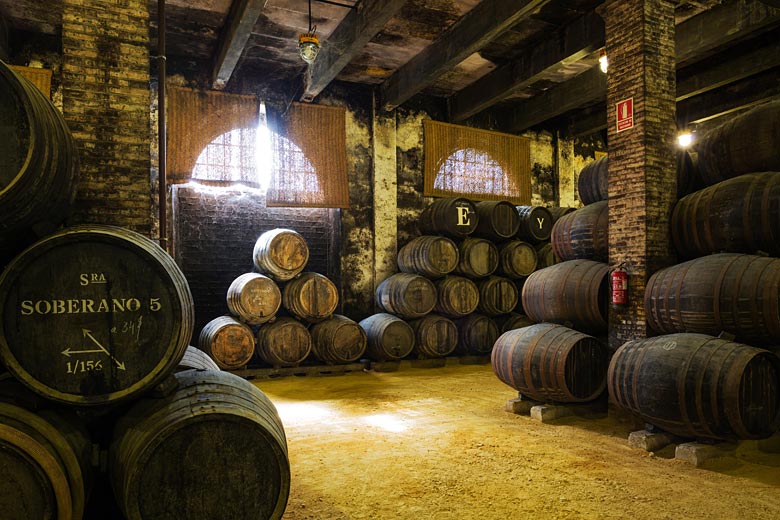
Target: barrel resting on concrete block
(650, 441)
(697, 454)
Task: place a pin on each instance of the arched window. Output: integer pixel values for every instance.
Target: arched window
(473, 171)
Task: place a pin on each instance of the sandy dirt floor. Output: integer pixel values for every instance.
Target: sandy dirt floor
(437, 443)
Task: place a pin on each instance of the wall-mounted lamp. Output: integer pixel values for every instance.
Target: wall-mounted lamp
(308, 43)
(603, 62)
(685, 139)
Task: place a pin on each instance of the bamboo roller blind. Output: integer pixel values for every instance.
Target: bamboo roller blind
(41, 78)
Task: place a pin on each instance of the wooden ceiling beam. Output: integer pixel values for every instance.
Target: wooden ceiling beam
(346, 41)
(476, 28)
(240, 21)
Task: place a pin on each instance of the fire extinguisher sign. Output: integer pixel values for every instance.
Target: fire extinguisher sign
(625, 114)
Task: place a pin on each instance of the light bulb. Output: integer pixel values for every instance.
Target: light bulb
(308, 47)
(684, 139)
(603, 63)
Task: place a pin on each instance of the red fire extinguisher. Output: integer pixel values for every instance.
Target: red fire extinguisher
(619, 286)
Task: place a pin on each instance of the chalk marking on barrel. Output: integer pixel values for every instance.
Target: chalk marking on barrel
(88, 334)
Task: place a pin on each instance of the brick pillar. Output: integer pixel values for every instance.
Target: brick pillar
(105, 80)
(642, 179)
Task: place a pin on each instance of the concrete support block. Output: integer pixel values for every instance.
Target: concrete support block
(546, 413)
(697, 454)
(649, 441)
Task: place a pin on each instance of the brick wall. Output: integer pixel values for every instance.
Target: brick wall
(105, 81)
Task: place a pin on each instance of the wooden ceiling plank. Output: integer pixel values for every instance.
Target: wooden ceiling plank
(476, 28)
(347, 40)
(238, 27)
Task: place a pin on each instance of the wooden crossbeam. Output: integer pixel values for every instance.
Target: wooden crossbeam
(235, 33)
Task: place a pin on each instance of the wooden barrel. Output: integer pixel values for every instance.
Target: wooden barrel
(434, 336)
(476, 335)
(406, 295)
(215, 448)
(389, 338)
(253, 298)
(311, 297)
(338, 340)
(549, 362)
(694, 385)
(457, 296)
(497, 295)
(738, 215)
(545, 255)
(557, 212)
(688, 174)
(520, 283)
(535, 224)
(453, 217)
(478, 258)
(722, 292)
(285, 342)
(512, 321)
(575, 291)
(593, 181)
(121, 309)
(583, 233)
(45, 458)
(746, 143)
(431, 256)
(197, 359)
(230, 343)
(281, 254)
(517, 259)
(497, 220)
(38, 161)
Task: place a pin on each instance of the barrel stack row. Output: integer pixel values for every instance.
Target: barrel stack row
(256, 330)
(115, 376)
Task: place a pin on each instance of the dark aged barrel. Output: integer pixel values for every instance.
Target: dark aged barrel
(311, 297)
(545, 255)
(520, 283)
(215, 448)
(723, 292)
(406, 295)
(550, 362)
(229, 342)
(747, 143)
(497, 220)
(738, 215)
(695, 385)
(557, 212)
(457, 296)
(497, 295)
(431, 256)
(434, 336)
(93, 315)
(389, 338)
(338, 340)
(45, 458)
(593, 181)
(281, 254)
(454, 217)
(517, 259)
(197, 359)
(253, 298)
(583, 233)
(535, 224)
(285, 342)
(38, 161)
(574, 291)
(476, 335)
(512, 321)
(478, 258)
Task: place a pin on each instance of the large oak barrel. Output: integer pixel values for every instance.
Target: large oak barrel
(557, 212)
(197, 359)
(457, 296)
(512, 321)
(311, 297)
(745, 144)
(434, 336)
(497, 295)
(38, 161)
(253, 298)
(476, 335)
(215, 448)
(431, 256)
(454, 217)
(575, 291)
(406, 295)
(550, 362)
(722, 292)
(738, 215)
(517, 259)
(285, 342)
(281, 254)
(389, 338)
(93, 315)
(583, 233)
(695, 385)
(497, 220)
(545, 256)
(478, 258)
(45, 458)
(593, 181)
(230, 343)
(535, 224)
(338, 340)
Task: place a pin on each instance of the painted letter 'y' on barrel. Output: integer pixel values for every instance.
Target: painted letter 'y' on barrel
(535, 224)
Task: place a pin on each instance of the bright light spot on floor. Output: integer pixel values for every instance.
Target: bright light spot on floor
(303, 412)
(386, 422)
